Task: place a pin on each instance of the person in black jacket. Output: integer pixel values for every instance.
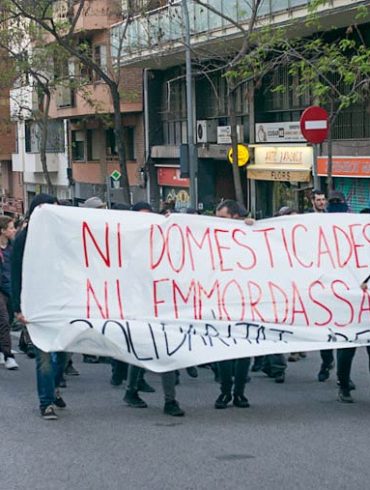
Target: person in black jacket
(49, 367)
(7, 232)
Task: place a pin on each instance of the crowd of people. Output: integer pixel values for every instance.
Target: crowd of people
(232, 375)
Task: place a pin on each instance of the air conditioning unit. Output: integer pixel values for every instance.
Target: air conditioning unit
(224, 134)
(207, 131)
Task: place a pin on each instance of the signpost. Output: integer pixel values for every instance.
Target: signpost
(314, 124)
(112, 182)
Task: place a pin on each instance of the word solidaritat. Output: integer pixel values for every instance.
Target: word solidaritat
(167, 293)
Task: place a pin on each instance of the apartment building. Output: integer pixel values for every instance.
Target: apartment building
(11, 183)
(81, 150)
(87, 111)
(156, 41)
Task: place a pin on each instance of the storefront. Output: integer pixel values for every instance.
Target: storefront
(173, 188)
(351, 176)
(281, 173)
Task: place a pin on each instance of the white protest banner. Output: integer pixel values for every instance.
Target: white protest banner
(167, 293)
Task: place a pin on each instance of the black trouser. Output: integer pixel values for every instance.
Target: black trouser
(274, 364)
(168, 382)
(344, 363)
(5, 339)
(327, 358)
(119, 371)
(239, 368)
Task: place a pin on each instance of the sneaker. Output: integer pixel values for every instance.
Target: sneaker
(144, 386)
(240, 401)
(48, 413)
(89, 359)
(256, 367)
(133, 400)
(11, 364)
(223, 400)
(303, 355)
(115, 382)
(2, 359)
(59, 402)
(294, 357)
(173, 408)
(70, 370)
(192, 372)
(30, 351)
(324, 374)
(344, 395)
(351, 385)
(280, 378)
(267, 371)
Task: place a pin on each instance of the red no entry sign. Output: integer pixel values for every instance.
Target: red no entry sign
(315, 124)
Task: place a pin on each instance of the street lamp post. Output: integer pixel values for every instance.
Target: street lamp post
(193, 152)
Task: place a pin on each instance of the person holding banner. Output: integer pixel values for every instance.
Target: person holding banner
(49, 367)
(230, 209)
(319, 203)
(7, 233)
(135, 373)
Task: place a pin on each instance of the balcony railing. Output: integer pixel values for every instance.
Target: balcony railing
(165, 25)
(161, 31)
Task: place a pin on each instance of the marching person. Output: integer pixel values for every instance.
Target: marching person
(136, 382)
(7, 233)
(319, 204)
(49, 367)
(233, 373)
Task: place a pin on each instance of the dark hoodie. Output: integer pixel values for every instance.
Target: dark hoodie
(18, 251)
(337, 207)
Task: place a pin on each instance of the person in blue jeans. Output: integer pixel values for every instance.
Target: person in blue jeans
(49, 367)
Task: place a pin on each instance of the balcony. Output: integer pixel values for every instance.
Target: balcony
(31, 162)
(95, 14)
(156, 39)
(94, 98)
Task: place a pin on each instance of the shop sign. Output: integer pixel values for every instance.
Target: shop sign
(345, 166)
(170, 176)
(283, 155)
(282, 163)
(243, 155)
(280, 132)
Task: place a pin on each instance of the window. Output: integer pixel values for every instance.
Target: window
(111, 148)
(78, 146)
(93, 145)
(55, 138)
(130, 143)
(32, 137)
(174, 111)
(100, 58)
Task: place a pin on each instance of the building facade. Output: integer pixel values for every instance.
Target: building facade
(280, 171)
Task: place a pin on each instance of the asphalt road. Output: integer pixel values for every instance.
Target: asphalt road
(293, 436)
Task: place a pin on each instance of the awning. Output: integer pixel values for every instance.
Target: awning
(283, 173)
(281, 163)
(345, 166)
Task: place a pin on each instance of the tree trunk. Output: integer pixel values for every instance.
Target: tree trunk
(119, 134)
(43, 124)
(234, 143)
